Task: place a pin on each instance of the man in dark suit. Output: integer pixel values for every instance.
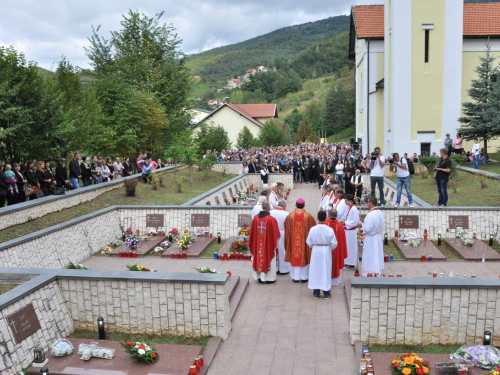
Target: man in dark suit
(298, 167)
(251, 166)
(314, 162)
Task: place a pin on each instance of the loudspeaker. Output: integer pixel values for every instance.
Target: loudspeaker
(355, 146)
(352, 140)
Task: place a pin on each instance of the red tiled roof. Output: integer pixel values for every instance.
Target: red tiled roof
(250, 70)
(257, 110)
(480, 19)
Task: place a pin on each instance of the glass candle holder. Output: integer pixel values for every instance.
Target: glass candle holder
(178, 256)
(172, 255)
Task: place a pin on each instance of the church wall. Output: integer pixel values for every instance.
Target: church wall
(360, 87)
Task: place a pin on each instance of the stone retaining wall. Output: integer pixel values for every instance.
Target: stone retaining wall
(231, 167)
(285, 178)
(420, 311)
(222, 194)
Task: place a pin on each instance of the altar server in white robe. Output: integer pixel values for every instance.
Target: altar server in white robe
(258, 207)
(322, 241)
(273, 196)
(323, 205)
(373, 251)
(333, 198)
(351, 222)
(280, 214)
(340, 206)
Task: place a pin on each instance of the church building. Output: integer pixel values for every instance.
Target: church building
(415, 60)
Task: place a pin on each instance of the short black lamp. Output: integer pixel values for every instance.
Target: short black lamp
(490, 243)
(38, 355)
(170, 238)
(44, 371)
(439, 238)
(386, 239)
(219, 238)
(487, 338)
(100, 327)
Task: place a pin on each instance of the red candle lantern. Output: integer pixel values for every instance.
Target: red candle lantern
(178, 255)
(386, 258)
(369, 274)
(121, 254)
(426, 234)
(201, 360)
(193, 370)
(396, 234)
(390, 275)
(172, 255)
(197, 364)
(423, 258)
(399, 275)
(184, 255)
(134, 254)
(210, 235)
(434, 274)
(356, 273)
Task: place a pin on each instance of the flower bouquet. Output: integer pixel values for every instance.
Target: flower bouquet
(239, 246)
(158, 250)
(468, 241)
(132, 241)
(74, 266)
(483, 356)
(141, 351)
(495, 371)
(116, 243)
(244, 231)
(106, 250)
(205, 270)
(136, 267)
(175, 232)
(409, 364)
(186, 239)
(361, 237)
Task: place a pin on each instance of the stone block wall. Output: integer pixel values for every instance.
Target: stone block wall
(285, 178)
(232, 167)
(417, 314)
(55, 321)
(223, 192)
(154, 308)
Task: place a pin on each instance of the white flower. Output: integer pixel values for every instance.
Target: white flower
(141, 351)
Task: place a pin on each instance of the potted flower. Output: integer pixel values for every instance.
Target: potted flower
(185, 240)
(238, 246)
(141, 351)
(409, 364)
(132, 241)
(244, 232)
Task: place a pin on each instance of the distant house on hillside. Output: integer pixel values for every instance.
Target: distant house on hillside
(198, 115)
(233, 117)
(215, 103)
(262, 69)
(233, 83)
(251, 71)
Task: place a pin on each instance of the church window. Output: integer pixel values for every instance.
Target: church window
(426, 51)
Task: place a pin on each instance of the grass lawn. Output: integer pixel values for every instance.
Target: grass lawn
(391, 248)
(496, 245)
(425, 349)
(4, 288)
(123, 337)
(213, 248)
(469, 192)
(166, 195)
(447, 251)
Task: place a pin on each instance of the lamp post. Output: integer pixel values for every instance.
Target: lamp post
(487, 338)
(386, 239)
(44, 371)
(100, 327)
(439, 238)
(219, 238)
(490, 243)
(170, 238)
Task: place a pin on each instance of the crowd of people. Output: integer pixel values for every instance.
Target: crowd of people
(20, 182)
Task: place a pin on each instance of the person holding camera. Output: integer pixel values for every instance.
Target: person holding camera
(400, 166)
(376, 164)
(443, 171)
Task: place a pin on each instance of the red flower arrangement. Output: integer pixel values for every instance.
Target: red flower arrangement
(174, 232)
(141, 351)
(238, 246)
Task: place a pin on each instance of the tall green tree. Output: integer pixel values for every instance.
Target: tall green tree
(305, 132)
(314, 114)
(482, 115)
(245, 138)
(339, 109)
(293, 120)
(211, 137)
(272, 134)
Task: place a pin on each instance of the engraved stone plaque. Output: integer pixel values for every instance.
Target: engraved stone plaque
(392, 195)
(245, 182)
(408, 222)
(23, 323)
(458, 221)
(244, 219)
(200, 220)
(224, 196)
(155, 220)
(235, 188)
(386, 192)
(217, 201)
(231, 191)
(241, 186)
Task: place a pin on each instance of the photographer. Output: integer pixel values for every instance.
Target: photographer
(443, 171)
(376, 164)
(400, 166)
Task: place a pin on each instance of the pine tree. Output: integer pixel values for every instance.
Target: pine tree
(288, 136)
(305, 133)
(482, 115)
(245, 138)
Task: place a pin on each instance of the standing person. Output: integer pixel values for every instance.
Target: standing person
(298, 167)
(75, 173)
(476, 149)
(373, 250)
(139, 161)
(443, 171)
(62, 175)
(448, 145)
(118, 168)
(160, 164)
(258, 206)
(3, 189)
(325, 198)
(280, 214)
(400, 166)
(376, 164)
(348, 173)
(273, 196)
(111, 168)
(351, 229)
(85, 172)
(264, 175)
(457, 144)
(357, 183)
(21, 183)
(95, 167)
(321, 239)
(104, 171)
(340, 206)
(263, 243)
(44, 178)
(298, 253)
(339, 173)
(340, 253)
(307, 171)
(30, 174)
(127, 167)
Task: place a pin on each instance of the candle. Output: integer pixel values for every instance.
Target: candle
(184, 255)
(172, 255)
(193, 370)
(391, 258)
(369, 274)
(178, 255)
(386, 258)
(423, 258)
(121, 254)
(216, 256)
(426, 234)
(434, 274)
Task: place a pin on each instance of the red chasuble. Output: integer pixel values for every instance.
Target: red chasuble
(340, 253)
(297, 227)
(263, 241)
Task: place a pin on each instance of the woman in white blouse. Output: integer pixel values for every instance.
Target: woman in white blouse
(339, 173)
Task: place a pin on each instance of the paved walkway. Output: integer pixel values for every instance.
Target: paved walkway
(279, 328)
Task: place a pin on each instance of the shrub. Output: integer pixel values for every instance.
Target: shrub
(429, 162)
(130, 186)
(458, 159)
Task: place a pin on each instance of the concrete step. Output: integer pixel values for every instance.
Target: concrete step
(209, 353)
(237, 295)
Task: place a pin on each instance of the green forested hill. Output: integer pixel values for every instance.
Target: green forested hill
(270, 49)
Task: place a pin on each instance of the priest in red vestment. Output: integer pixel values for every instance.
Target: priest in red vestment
(298, 253)
(263, 242)
(340, 253)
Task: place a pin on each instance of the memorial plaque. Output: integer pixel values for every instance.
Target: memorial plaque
(236, 188)
(458, 221)
(387, 192)
(244, 219)
(241, 185)
(23, 323)
(231, 192)
(224, 196)
(392, 195)
(217, 201)
(155, 220)
(200, 220)
(245, 182)
(408, 222)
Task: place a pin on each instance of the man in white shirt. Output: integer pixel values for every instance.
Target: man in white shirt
(376, 164)
(280, 215)
(475, 153)
(117, 168)
(400, 166)
(273, 196)
(340, 206)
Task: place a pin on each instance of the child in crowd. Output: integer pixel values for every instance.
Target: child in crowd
(10, 178)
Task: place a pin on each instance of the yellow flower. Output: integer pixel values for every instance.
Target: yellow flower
(409, 361)
(426, 370)
(406, 371)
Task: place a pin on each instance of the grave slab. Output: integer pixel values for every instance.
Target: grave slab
(174, 360)
(195, 250)
(473, 252)
(415, 253)
(145, 247)
(227, 247)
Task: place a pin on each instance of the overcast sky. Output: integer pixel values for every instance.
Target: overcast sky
(46, 29)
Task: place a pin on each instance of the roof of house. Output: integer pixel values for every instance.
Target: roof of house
(250, 70)
(250, 111)
(480, 19)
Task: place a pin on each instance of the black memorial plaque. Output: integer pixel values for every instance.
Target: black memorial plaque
(244, 219)
(155, 220)
(458, 221)
(217, 201)
(224, 196)
(236, 188)
(245, 182)
(23, 323)
(241, 186)
(231, 192)
(392, 195)
(408, 222)
(200, 220)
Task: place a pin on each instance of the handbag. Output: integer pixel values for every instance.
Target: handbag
(39, 194)
(54, 190)
(28, 190)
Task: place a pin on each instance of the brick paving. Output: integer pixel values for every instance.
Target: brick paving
(279, 328)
